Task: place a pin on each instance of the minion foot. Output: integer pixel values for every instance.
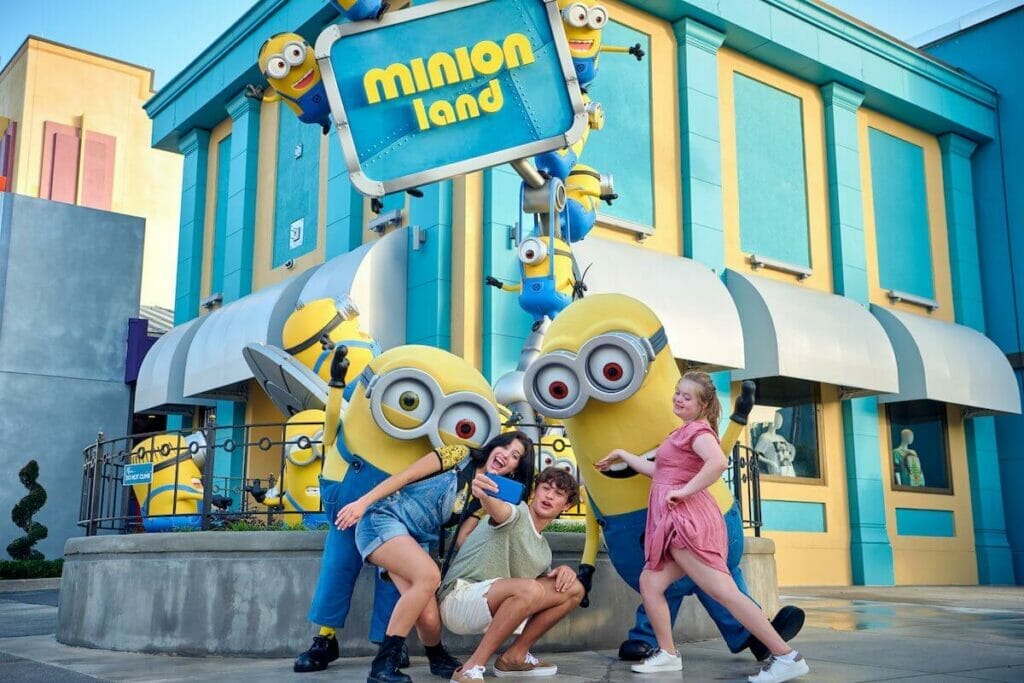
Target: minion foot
(383, 8)
(322, 652)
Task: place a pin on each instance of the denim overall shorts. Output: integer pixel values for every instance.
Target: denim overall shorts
(417, 509)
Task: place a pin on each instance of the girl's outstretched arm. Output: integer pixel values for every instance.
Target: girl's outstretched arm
(353, 512)
(635, 462)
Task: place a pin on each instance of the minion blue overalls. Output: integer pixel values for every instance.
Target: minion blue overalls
(341, 562)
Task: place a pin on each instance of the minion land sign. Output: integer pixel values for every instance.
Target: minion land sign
(449, 87)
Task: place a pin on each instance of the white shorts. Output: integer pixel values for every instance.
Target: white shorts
(464, 610)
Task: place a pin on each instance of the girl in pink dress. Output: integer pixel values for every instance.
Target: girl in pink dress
(686, 533)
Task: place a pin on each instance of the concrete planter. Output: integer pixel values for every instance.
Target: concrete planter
(246, 593)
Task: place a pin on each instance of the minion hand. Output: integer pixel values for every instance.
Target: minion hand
(744, 404)
(339, 367)
(492, 281)
(254, 92)
(637, 52)
(585, 574)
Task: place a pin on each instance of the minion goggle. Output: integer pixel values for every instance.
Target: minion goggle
(578, 15)
(407, 403)
(280, 65)
(195, 451)
(305, 449)
(609, 368)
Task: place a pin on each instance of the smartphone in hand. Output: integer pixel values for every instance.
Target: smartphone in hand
(509, 490)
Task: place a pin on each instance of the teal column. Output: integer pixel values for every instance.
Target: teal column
(995, 560)
(870, 550)
(703, 229)
(344, 205)
(505, 325)
(429, 278)
(241, 199)
(195, 146)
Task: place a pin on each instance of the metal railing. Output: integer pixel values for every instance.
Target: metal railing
(224, 460)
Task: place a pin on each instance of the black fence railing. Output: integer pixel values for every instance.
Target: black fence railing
(214, 478)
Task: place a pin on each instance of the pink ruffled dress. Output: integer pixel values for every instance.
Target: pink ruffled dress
(695, 524)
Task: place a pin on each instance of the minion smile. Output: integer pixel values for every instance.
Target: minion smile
(580, 45)
(304, 82)
(621, 470)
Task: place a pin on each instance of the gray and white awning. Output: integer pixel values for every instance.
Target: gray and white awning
(160, 385)
(697, 312)
(943, 361)
(792, 331)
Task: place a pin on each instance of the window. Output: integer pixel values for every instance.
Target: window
(65, 159)
(783, 429)
(920, 456)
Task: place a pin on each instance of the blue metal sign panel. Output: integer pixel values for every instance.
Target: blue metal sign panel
(447, 88)
(138, 473)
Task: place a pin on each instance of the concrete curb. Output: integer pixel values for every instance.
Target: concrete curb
(20, 585)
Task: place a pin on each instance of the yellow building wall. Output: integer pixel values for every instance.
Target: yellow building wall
(99, 94)
(929, 560)
(813, 558)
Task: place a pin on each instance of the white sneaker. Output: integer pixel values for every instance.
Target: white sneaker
(463, 675)
(778, 670)
(658, 662)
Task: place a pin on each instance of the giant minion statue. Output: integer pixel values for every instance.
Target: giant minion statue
(408, 401)
(173, 499)
(549, 277)
(584, 20)
(357, 10)
(584, 189)
(312, 332)
(289, 65)
(297, 492)
(605, 369)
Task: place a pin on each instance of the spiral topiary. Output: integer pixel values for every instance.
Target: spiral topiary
(22, 513)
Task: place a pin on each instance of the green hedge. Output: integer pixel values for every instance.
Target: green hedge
(30, 569)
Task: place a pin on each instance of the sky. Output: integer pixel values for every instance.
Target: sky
(167, 36)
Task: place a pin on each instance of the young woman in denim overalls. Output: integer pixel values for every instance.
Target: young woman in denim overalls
(397, 522)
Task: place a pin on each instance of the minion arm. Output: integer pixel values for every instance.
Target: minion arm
(335, 389)
(585, 573)
(738, 419)
(634, 50)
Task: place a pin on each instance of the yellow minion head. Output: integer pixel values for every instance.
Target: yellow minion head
(412, 399)
(606, 370)
(584, 185)
(303, 459)
(583, 20)
(177, 483)
(313, 331)
(289, 65)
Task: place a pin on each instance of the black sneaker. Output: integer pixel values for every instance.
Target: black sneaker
(635, 651)
(787, 623)
(441, 662)
(322, 652)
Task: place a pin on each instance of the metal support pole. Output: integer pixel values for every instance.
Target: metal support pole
(210, 433)
(530, 175)
(97, 482)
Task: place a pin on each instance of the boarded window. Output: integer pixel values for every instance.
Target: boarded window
(98, 170)
(59, 177)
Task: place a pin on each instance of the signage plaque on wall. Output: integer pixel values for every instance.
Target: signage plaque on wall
(447, 88)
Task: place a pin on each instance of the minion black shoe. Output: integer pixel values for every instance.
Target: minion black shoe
(322, 652)
(787, 623)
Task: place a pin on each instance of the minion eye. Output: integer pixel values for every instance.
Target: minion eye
(532, 251)
(468, 422)
(546, 459)
(575, 15)
(557, 386)
(597, 17)
(610, 368)
(411, 400)
(277, 67)
(294, 53)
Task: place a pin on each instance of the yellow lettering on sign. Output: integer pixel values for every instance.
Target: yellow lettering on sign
(467, 106)
(378, 82)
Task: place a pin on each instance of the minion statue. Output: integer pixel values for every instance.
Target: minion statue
(357, 10)
(289, 65)
(606, 370)
(549, 278)
(584, 20)
(173, 499)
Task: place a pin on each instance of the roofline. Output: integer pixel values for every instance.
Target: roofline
(32, 37)
(964, 29)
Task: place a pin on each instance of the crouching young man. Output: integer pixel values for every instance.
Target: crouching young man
(501, 582)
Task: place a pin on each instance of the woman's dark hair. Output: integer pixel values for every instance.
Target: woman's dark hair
(524, 470)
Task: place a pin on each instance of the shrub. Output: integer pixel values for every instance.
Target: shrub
(30, 569)
(22, 513)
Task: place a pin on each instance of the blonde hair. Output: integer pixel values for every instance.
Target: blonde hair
(707, 394)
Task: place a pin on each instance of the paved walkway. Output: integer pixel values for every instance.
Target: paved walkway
(852, 634)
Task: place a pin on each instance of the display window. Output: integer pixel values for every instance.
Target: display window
(783, 430)
(919, 448)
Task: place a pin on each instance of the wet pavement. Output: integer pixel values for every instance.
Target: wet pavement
(960, 633)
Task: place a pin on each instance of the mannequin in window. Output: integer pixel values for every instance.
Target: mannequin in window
(774, 451)
(906, 464)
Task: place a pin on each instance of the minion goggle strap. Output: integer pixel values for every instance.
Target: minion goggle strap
(407, 404)
(195, 451)
(318, 337)
(305, 449)
(610, 368)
